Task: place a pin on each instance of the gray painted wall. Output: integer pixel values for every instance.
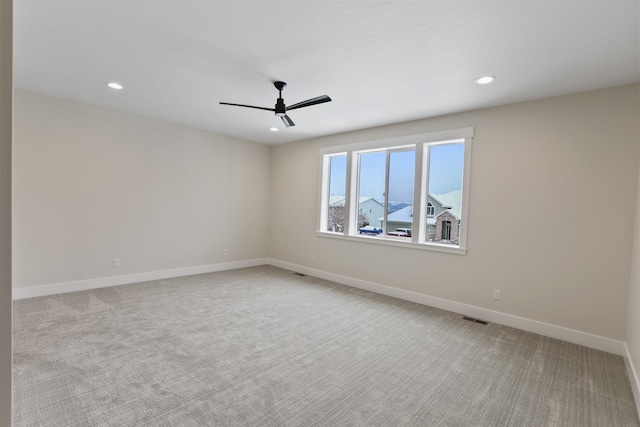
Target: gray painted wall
(92, 185)
(533, 164)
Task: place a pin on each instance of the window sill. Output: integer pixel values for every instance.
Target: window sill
(393, 242)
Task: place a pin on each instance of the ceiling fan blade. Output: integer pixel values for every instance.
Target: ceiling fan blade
(313, 101)
(287, 121)
(249, 106)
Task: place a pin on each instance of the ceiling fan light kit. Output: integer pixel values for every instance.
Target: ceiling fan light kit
(281, 109)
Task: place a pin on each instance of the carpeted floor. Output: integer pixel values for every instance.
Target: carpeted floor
(265, 347)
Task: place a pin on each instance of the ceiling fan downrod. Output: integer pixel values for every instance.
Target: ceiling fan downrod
(280, 109)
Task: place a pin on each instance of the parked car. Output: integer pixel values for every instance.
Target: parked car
(370, 230)
(400, 232)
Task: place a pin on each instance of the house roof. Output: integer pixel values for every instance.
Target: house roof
(448, 211)
(339, 200)
(405, 215)
(451, 200)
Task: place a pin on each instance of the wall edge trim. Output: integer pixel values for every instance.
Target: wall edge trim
(634, 379)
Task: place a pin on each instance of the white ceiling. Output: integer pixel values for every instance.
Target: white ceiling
(381, 61)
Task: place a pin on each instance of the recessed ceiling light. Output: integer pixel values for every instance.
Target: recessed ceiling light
(273, 129)
(114, 85)
(485, 80)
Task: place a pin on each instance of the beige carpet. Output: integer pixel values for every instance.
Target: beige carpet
(265, 347)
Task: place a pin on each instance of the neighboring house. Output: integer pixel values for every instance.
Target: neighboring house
(443, 217)
(369, 209)
(448, 209)
(372, 210)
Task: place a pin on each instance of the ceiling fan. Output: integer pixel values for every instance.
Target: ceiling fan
(281, 109)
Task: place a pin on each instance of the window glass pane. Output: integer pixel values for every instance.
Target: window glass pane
(337, 191)
(371, 192)
(446, 163)
(400, 200)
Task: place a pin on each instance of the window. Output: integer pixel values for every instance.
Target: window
(417, 183)
(371, 183)
(385, 177)
(337, 183)
(431, 210)
(446, 167)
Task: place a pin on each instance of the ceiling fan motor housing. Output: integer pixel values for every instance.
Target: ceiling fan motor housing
(281, 109)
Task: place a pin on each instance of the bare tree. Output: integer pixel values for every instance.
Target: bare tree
(362, 220)
(336, 219)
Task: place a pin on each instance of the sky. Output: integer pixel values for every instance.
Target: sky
(445, 173)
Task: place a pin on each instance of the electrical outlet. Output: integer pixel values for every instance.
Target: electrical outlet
(497, 294)
(225, 252)
(116, 263)
(312, 257)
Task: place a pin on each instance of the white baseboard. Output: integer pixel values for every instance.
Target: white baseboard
(634, 379)
(553, 331)
(541, 328)
(103, 282)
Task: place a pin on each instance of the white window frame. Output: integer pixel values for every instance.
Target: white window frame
(422, 144)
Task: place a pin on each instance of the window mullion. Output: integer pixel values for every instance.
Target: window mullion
(424, 182)
(386, 194)
(419, 199)
(350, 225)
